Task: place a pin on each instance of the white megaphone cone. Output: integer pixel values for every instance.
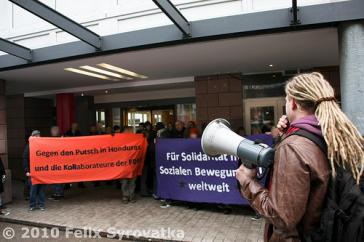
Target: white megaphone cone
(219, 139)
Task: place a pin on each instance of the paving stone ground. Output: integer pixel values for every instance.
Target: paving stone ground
(101, 209)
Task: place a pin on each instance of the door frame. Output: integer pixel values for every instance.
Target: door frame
(277, 102)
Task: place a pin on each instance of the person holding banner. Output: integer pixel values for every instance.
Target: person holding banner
(128, 184)
(149, 162)
(74, 131)
(58, 188)
(37, 194)
(179, 130)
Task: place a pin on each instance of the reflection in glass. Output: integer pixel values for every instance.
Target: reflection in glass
(261, 119)
(186, 112)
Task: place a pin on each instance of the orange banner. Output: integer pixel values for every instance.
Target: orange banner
(86, 158)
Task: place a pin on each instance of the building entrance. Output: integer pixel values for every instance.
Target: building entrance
(262, 113)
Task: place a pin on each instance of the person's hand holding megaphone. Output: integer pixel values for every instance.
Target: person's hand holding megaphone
(243, 174)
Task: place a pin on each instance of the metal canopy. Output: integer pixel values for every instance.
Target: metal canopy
(277, 20)
(15, 49)
(59, 20)
(175, 15)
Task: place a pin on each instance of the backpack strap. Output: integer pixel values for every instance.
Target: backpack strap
(318, 140)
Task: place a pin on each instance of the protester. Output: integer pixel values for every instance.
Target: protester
(190, 125)
(301, 170)
(170, 128)
(58, 189)
(146, 180)
(3, 179)
(141, 129)
(25, 164)
(116, 129)
(193, 133)
(93, 131)
(73, 131)
(265, 138)
(99, 128)
(179, 130)
(162, 131)
(37, 192)
(128, 184)
(108, 130)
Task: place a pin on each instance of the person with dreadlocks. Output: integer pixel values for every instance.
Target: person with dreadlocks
(295, 195)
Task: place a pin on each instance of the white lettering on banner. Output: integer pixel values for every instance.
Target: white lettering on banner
(175, 171)
(180, 171)
(218, 173)
(197, 156)
(203, 186)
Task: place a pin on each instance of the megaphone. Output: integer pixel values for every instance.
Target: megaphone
(218, 138)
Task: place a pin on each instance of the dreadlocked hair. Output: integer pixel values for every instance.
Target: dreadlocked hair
(344, 142)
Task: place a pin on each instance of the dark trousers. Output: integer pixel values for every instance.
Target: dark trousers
(37, 195)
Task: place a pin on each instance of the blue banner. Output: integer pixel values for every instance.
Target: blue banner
(185, 173)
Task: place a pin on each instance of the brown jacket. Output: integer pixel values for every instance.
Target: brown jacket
(296, 191)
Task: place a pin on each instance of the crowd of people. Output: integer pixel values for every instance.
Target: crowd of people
(146, 182)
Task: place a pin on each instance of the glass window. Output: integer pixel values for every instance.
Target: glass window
(100, 117)
(261, 119)
(162, 115)
(186, 112)
(137, 117)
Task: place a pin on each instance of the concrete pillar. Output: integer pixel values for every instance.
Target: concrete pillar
(7, 197)
(17, 136)
(351, 39)
(3, 126)
(25, 115)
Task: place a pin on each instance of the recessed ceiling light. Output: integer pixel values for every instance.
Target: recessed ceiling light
(271, 65)
(108, 73)
(121, 70)
(87, 73)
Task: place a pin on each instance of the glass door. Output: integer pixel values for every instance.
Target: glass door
(163, 115)
(101, 117)
(137, 117)
(261, 114)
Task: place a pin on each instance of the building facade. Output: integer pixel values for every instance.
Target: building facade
(223, 59)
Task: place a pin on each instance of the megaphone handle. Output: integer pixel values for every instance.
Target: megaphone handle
(246, 164)
(249, 165)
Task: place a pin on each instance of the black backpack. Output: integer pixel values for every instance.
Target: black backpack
(342, 215)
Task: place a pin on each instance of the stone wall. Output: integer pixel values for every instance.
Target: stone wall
(219, 96)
